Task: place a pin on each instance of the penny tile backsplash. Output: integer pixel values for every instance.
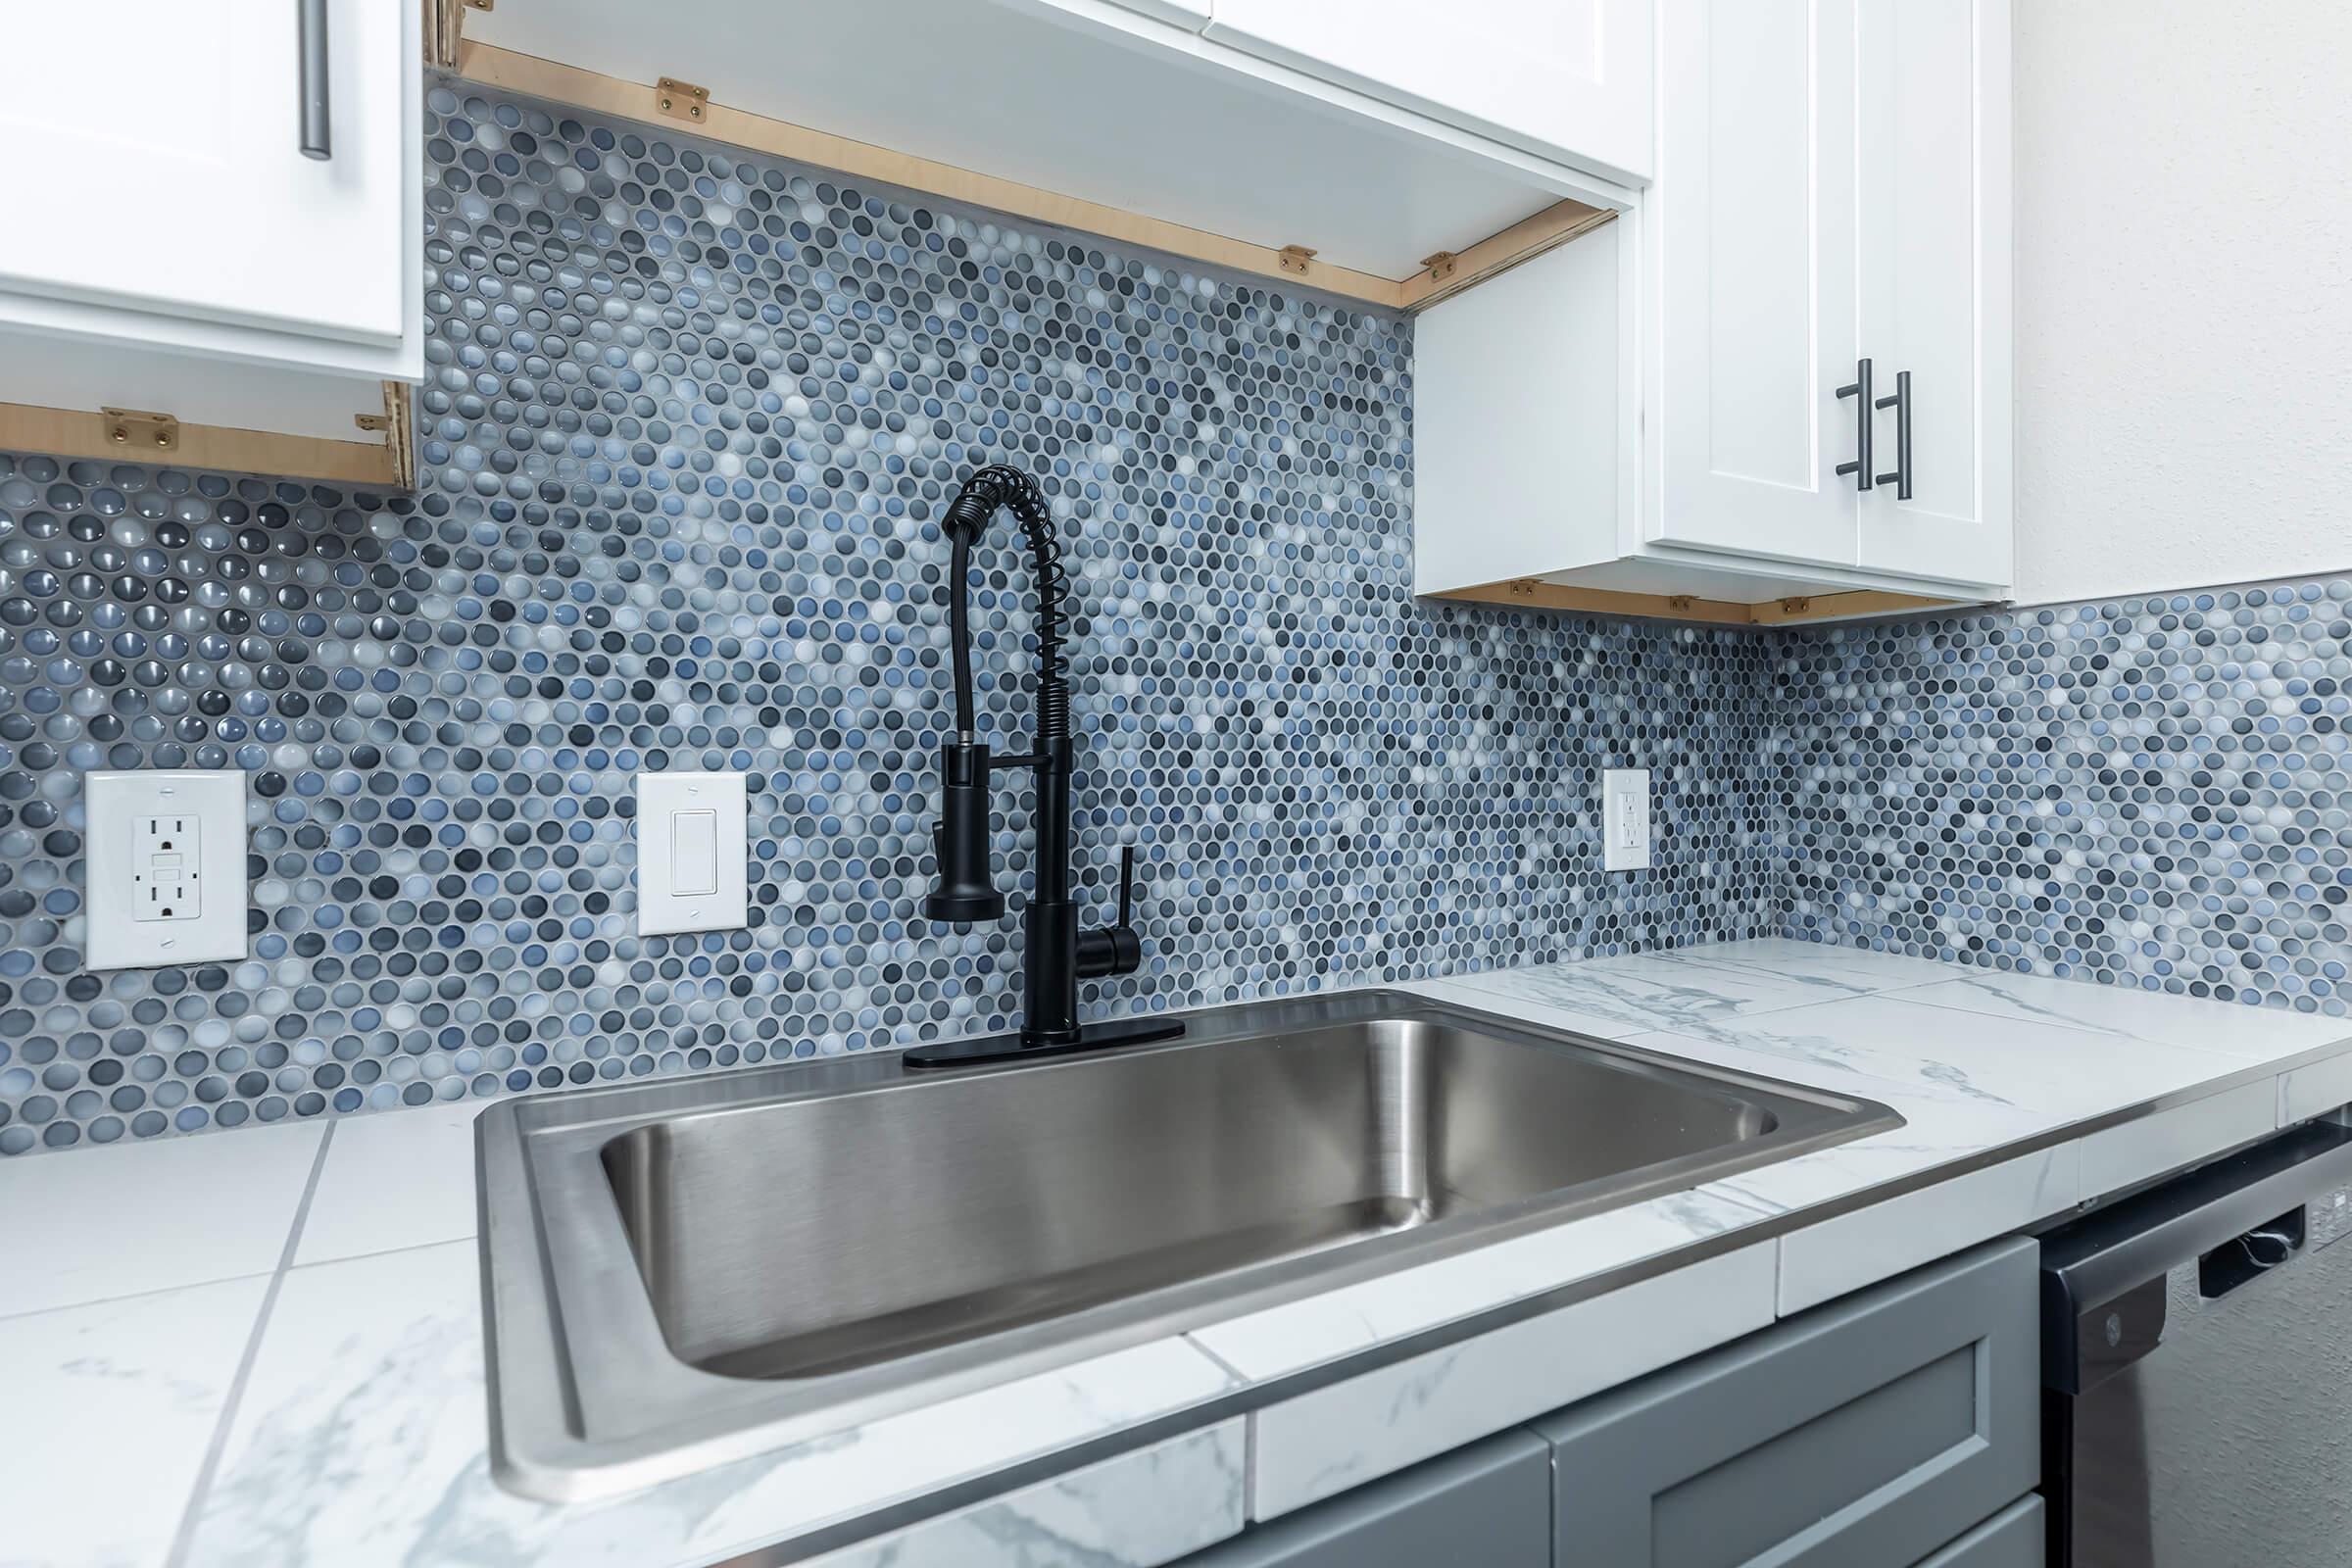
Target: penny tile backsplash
(687, 424)
(2152, 791)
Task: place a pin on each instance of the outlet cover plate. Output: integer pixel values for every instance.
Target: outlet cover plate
(165, 863)
(691, 844)
(1625, 820)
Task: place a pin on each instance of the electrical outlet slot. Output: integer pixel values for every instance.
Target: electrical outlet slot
(163, 868)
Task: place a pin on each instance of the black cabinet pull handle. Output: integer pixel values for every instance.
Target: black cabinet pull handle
(317, 132)
(1901, 478)
(1859, 391)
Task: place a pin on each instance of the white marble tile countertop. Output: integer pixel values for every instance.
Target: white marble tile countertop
(266, 1347)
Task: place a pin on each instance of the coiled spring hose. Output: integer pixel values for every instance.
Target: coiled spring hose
(968, 519)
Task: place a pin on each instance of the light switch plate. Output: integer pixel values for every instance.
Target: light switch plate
(690, 853)
(1625, 820)
(165, 863)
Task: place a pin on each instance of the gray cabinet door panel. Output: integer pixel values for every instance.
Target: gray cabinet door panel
(1487, 1505)
(1866, 1432)
(2015, 1539)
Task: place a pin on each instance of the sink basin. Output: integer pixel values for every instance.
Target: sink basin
(684, 1272)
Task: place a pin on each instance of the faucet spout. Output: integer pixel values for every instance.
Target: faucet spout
(1056, 953)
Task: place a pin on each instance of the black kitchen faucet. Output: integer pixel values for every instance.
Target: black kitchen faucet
(1055, 955)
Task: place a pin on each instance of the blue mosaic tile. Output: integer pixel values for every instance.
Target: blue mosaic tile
(2149, 792)
(687, 423)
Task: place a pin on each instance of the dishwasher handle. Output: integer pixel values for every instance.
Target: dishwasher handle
(2104, 1303)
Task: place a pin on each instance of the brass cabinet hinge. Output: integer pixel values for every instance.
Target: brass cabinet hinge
(139, 430)
(682, 100)
(1295, 258)
(1440, 266)
(445, 29)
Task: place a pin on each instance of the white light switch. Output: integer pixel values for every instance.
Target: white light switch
(1625, 820)
(165, 867)
(690, 853)
(694, 853)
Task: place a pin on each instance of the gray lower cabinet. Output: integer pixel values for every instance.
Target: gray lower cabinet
(1869, 1433)
(1487, 1505)
(1899, 1428)
(2013, 1538)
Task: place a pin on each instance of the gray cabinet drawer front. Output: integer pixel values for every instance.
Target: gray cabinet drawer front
(1866, 1432)
(1487, 1505)
(2015, 1539)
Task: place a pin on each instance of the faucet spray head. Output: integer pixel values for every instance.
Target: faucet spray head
(965, 891)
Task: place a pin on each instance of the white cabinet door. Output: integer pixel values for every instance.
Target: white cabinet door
(1752, 308)
(1933, 90)
(151, 153)
(1565, 78)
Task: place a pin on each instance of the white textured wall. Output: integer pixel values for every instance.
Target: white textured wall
(2184, 293)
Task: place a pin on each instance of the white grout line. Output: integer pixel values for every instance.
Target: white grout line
(387, 1252)
(1249, 1469)
(183, 1539)
(130, 1295)
(1241, 1379)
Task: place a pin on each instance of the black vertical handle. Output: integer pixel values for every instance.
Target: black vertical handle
(1859, 391)
(1901, 478)
(1114, 948)
(316, 131)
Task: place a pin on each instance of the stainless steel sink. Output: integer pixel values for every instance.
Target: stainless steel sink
(690, 1271)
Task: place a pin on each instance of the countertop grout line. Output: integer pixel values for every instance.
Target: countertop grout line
(381, 1251)
(130, 1295)
(1222, 1365)
(183, 1539)
(2059, 1021)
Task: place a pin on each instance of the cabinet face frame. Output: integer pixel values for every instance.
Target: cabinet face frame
(386, 463)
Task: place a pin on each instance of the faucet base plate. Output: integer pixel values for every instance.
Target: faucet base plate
(1006, 1048)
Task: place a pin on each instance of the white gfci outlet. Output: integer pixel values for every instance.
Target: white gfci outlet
(165, 859)
(166, 874)
(1625, 820)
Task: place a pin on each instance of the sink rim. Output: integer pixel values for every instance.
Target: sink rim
(639, 1415)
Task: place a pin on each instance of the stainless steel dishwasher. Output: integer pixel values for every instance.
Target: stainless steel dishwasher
(2197, 1367)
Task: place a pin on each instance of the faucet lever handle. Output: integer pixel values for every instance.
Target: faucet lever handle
(1114, 948)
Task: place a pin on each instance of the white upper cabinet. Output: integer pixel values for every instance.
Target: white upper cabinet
(1752, 228)
(152, 153)
(1814, 297)
(1934, 287)
(1563, 79)
(1834, 188)
(215, 229)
